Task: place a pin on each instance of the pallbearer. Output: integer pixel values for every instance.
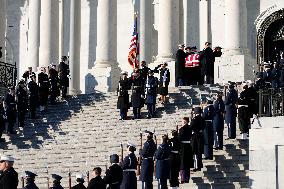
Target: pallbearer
(174, 159)
(147, 166)
(56, 182)
(231, 111)
(208, 115)
(218, 122)
(30, 180)
(114, 174)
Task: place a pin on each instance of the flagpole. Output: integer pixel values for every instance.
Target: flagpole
(136, 25)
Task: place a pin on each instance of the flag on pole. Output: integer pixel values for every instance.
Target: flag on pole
(134, 47)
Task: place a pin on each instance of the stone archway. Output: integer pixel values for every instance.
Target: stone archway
(264, 29)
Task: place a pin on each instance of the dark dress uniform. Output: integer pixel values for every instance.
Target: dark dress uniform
(63, 69)
(9, 179)
(218, 123)
(243, 112)
(79, 186)
(123, 97)
(54, 85)
(231, 112)
(151, 95)
(30, 180)
(33, 97)
(208, 115)
(129, 166)
(144, 70)
(147, 165)
(207, 65)
(253, 100)
(22, 103)
(114, 176)
(10, 102)
(163, 164)
(136, 99)
(97, 183)
(43, 87)
(31, 185)
(56, 186)
(186, 156)
(180, 65)
(164, 80)
(197, 141)
(174, 161)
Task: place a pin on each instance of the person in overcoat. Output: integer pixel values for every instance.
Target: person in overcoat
(123, 96)
(114, 173)
(218, 122)
(43, 88)
(8, 176)
(207, 64)
(243, 112)
(151, 93)
(137, 91)
(231, 111)
(32, 96)
(63, 72)
(54, 84)
(164, 80)
(180, 64)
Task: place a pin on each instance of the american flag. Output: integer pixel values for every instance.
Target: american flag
(192, 60)
(134, 47)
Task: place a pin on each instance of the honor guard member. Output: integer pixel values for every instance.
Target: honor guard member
(144, 70)
(114, 174)
(30, 180)
(186, 156)
(56, 181)
(8, 176)
(151, 94)
(208, 115)
(162, 156)
(136, 100)
(218, 122)
(129, 166)
(2, 119)
(147, 166)
(63, 70)
(32, 96)
(22, 103)
(97, 182)
(54, 84)
(197, 141)
(123, 96)
(207, 64)
(174, 159)
(180, 64)
(253, 97)
(243, 113)
(9, 105)
(43, 88)
(231, 111)
(80, 181)
(163, 81)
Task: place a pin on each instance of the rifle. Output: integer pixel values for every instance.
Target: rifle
(191, 113)
(106, 159)
(87, 173)
(23, 181)
(139, 158)
(156, 141)
(47, 177)
(69, 179)
(176, 125)
(121, 147)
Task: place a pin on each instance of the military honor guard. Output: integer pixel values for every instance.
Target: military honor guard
(180, 64)
(43, 88)
(151, 93)
(56, 181)
(63, 72)
(208, 115)
(114, 174)
(32, 96)
(147, 166)
(10, 108)
(129, 166)
(137, 92)
(21, 99)
(8, 176)
(30, 180)
(243, 112)
(218, 122)
(164, 80)
(97, 182)
(231, 111)
(80, 182)
(123, 96)
(186, 156)
(207, 60)
(144, 70)
(162, 156)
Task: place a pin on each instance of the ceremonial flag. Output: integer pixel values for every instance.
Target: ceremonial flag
(192, 60)
(134, 47)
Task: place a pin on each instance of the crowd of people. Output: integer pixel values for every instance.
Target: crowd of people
(33, 91)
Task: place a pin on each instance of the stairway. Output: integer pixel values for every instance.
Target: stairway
(81, 132)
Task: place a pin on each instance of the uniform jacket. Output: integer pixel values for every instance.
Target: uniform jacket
(180, 62)
(208, 114)
(97, 183)
(230, 106)
(162, 161)
(31, 185)
(151, 90)
(9, 179)
(123, 96)
(147, 166)
(218, 122)
(114, 176)
(186, 156)
(197, 141)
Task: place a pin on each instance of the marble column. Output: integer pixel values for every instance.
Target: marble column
(168, 34)
(146, 29)
(33, 34)
(2, 26)
(106, 70)
(61, 28)
(74, 61)
(205, 22)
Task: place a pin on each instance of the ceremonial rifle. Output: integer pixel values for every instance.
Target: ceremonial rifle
(47, 177)
(140, 157)
(87, 173)
(121, 147)
(23, 181)
(156, 141)
(69, 179)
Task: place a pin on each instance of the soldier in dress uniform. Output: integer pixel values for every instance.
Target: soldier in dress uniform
(208, 115)
(43, 88)
(114, 174)
(197, 141)
(30, 180)
(9, 105)
(80, 180)
(180, 64)
(174, 159)
(163, 81)
(207, 60)
(123, 96)
(63, 72)
(144, 70)
(253, 99)
(129, 166)
(56, 181)
(33, 96)
(8, 176)
(231, 111)
(137, 91)
(54, 84)
(243, 112)
(186, 156)
(21, 98)
(151, 93)
(218, 122)
(97, 182)
(147, 166)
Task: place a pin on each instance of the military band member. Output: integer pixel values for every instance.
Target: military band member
(80, 181)
(8, 176)
(54, 84)
(97, 182)
(147, 166)
(151, 93)
(218, 122)
(43, 88)
(129, 166)
(9, 105)
(33, 96)
(114, 174)
(231, 111)
(174, 159)
(186, 156)
(123, 96)
(163, 81)
(56, 182)
(30, 180)
(208, 115)
(137, 92)
(21, 98)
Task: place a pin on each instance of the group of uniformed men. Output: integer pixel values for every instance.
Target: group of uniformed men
(32, 92)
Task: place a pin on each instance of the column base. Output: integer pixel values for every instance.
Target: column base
(74, 92)
(165, 58)
(235, 68)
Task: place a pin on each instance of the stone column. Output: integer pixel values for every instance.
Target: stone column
(2, 26)
(74, 61)
(205, 22)
(168, 34)
(146, 29)
(33, 34)
(61, 28)
(106, 70)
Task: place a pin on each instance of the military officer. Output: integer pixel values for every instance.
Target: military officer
(129, 166)
(231, 111)
(147, 166)
(137, 90)
(114, 174)
(8, 176)
(43, 88)
(164, 80)
(56, 182)
(21, 98)
(54, 84)
(30, 180)
(151, 93)
(9, 105)
(63, 70)
(243, 112)
(80, 181)
(218, 122)
(144, 70)
(33, 96)
(123, 96)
